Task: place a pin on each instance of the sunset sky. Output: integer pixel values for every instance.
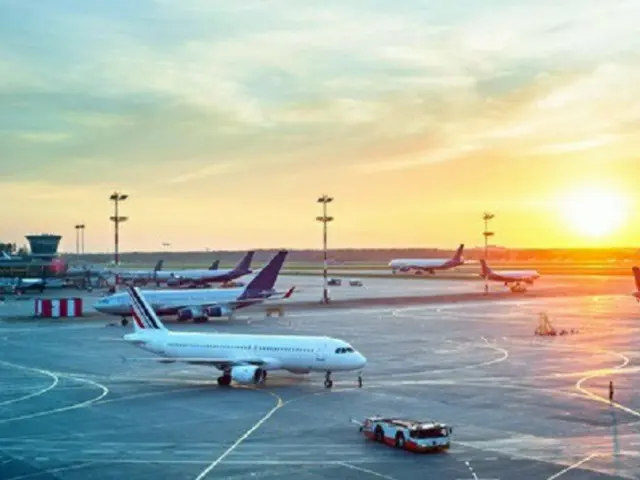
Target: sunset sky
(224, 121)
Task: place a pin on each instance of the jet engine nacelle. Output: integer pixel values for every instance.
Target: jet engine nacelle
(189, 313)
(248, 374)
(218, 311)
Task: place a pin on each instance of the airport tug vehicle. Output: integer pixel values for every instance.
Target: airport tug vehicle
(411, 435)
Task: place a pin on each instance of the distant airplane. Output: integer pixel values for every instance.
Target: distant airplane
(430, 265)
(243, 358)
(636, 276)
(203, 277)
(205, 303)
(138, 277)
(514, 277)
(19, 285)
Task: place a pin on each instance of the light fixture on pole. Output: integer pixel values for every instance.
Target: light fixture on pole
(486, 217)
(78, 227)
(324, 219)
(81, 228)
(117, 197)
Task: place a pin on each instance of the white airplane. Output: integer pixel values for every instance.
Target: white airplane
(636, 276)
(420, 265)
(243, 358)
(201, 304)
(137, 277)
(514, 277)
(202, 277)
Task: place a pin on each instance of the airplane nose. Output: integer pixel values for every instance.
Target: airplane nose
(362, 361)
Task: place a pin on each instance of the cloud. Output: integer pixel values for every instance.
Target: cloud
(199, 174)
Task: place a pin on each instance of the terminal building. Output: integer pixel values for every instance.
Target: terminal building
(43, 249)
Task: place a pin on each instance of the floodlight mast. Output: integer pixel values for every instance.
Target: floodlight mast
(325, 219)
(116, 198)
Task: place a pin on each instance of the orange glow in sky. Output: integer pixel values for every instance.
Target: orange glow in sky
(224, 121)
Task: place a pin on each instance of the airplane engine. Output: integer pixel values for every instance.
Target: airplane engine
(248, 374)
(218, 311)
(190, 313)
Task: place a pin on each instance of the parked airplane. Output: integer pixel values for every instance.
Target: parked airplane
(138, 277)
(202, 304)
(20, 285)
(202, 277)
(636, 276)
(243, 358)
(514, 277)
(420, 265)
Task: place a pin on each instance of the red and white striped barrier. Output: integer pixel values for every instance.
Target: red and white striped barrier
(58, 307)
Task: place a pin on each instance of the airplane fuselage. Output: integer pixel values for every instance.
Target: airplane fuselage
(297, 354)
(166, 302)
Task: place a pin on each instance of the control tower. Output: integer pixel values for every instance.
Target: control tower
(44, 246)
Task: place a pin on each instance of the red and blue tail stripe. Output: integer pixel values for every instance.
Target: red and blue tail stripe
(143, 314)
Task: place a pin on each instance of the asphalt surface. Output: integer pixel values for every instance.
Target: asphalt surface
(521, 406)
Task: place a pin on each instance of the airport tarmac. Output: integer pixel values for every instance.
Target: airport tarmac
(521, 406)
(389, 291)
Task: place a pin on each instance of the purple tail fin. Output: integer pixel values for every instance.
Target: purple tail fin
(458, 256)
(266, 278)
(244, 265)
(486, 271)
(636, 275)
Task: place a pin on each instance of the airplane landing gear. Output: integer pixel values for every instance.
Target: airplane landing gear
(263, 378)
(360, 381)
(225, 379)
(328, 383)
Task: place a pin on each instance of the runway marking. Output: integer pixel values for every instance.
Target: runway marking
(86, 403)
(473, 474)
(366, 470)
(42, 391)
(572, 467)
(246, 435)
(53, 470)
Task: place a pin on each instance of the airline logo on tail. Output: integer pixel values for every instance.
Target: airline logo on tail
(144, 317)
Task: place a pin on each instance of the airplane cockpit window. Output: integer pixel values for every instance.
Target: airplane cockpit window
(344, 350)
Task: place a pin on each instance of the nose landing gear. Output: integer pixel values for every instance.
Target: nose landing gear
(359, 380)
(328, 383)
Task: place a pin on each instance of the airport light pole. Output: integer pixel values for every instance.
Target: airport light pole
(81, 228)
(117, 197)
(324, 199)
(486, 217)
(77, 227)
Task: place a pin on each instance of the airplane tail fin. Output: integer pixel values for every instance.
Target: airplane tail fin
(486, 270)
(266, 278)
(636, 276)
(144, 318)
(215, 265)
(244, 264)
(458, 255)
(289, 292)
(158, 266)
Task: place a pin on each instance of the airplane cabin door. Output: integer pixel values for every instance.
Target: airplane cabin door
(321, 353)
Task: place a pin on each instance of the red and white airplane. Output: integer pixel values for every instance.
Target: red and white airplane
(514, 279)
(430, 265)
(636, 276)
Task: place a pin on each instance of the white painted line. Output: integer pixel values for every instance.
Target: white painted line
(246, 435)
(53, 470)
(475, 477)
(366, 470)
(572, 467)
(51, 386)
(75, 406)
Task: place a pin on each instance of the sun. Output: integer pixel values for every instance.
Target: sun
(595, 212)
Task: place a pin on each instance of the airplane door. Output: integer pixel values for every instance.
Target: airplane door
(321, 354)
